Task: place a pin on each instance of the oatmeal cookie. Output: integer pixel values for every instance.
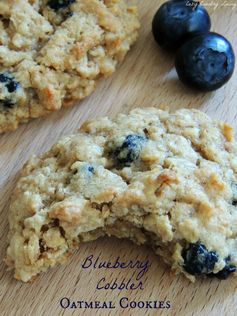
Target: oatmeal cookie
(52, 52)
(168, 180)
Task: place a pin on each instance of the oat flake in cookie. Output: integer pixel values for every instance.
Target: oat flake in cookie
(168, 180)
(52, 52)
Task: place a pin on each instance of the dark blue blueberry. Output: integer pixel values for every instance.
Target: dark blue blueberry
(225, 272)
(4, 77)
(177, 21)
(234, 197)
(7, 103)
(206, 62)
(198, 260)
(91, 169)
(11, 84)
(70, 14)
(85, 168)
(59, 4)
(129, 151)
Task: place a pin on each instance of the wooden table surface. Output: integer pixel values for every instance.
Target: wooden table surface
(146, 78)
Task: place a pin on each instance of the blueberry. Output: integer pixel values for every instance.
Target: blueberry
(176, 21)
(59, 4)
(7, 103)
(206, 62)
(234, 196)
(198, 260)
(225, 272)
(12, 86)
(4, 77)
(85, 168)
(129, 151)
(69, 14)
(91, 169)
(7, 80)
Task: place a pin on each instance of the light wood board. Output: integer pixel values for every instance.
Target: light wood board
(146, 78)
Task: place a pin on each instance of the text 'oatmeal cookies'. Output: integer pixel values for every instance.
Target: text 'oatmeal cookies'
(52, 52)
(168, 180)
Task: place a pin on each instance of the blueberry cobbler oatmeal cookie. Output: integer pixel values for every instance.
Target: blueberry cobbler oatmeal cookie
(168, 180)
(52, 52)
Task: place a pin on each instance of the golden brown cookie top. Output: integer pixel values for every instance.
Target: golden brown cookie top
(165, 179)
(53, 51)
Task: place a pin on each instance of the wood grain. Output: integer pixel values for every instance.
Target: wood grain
(146, 78)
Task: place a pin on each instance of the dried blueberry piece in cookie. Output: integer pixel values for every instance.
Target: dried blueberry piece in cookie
(59, 4)
(198, 260)
(226, 271)
(91, 169)
(129, 151)
(83, 167)
(69, 14)
(7, 103)
(234, 197)
(9, 82)
(8, 87)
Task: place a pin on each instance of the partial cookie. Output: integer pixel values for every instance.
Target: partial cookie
(52, 52)
(161, 179)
